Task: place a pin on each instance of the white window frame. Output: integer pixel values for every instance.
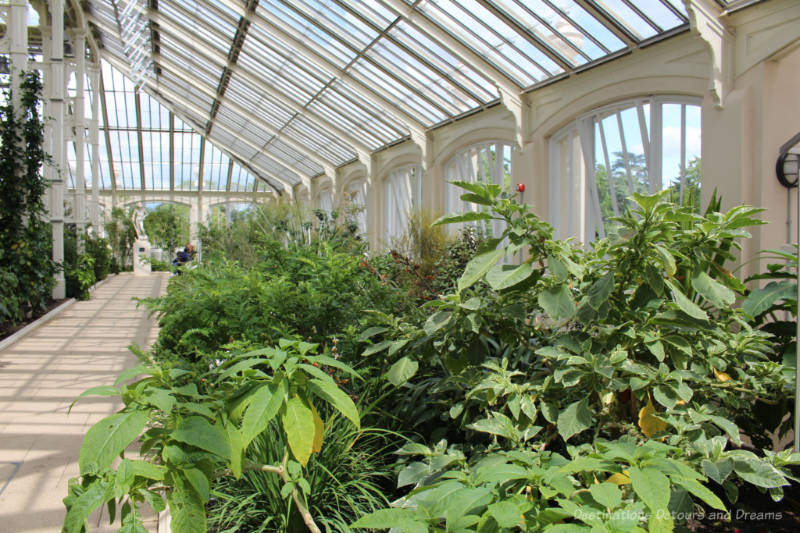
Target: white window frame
(465, 166)
(573, 196)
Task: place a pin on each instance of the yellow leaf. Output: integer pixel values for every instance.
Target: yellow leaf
(619, 479)
(649, 424)
(319, 429)
(722, 376)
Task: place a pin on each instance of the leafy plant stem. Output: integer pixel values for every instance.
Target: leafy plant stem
(296, 496)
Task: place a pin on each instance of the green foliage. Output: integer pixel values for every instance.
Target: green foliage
(25, 239)
(80, 268)
(98, 248)
(425, 261)
(345, 481)
(312, 291)
(167, 226)
(265, 226)
(564, 368)
(773, 308)
(121, 237)
(194, 428)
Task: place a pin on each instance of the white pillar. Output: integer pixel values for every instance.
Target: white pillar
(94, 140)
(56, 87)
(17, 28)
(79, 46)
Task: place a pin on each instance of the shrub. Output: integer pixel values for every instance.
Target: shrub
(98, 249)
(578, 386)
(25, 237)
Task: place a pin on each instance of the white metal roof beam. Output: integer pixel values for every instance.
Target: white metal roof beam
(477, 62)
(317, 55)
(193, 81)
(160, 88)
(613, 25)
(165, 91)
(240, 159)
(209, 54)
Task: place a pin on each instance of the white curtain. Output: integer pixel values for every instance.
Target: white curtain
(482, 163)
(356, 196)
(401, 192)
(325, 201)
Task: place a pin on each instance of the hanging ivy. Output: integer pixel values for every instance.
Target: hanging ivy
(26, 263)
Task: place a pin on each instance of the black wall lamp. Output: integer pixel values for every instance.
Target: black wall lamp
(788, 165)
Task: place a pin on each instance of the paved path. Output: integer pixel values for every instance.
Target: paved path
(84, 346)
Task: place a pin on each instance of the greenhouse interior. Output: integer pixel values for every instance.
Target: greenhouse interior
(399, 265)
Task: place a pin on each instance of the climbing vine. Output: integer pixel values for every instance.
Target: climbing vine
(25, 241)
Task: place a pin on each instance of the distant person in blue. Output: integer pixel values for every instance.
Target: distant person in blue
(184, 256)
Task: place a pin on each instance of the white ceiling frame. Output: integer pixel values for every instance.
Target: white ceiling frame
(158, 88)
(317, 56)
(196, 82)
(156, 93)
(210, 54)
(469, 57)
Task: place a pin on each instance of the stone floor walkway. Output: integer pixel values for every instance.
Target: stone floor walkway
(84, 346)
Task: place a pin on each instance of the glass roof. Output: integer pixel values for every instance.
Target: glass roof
(291, 87)
(156, 151)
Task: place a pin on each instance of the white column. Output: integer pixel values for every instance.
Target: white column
(79, 45)
(56, 112)
(17, 47)
(94, 140)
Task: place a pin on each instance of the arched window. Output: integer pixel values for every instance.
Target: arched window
(488, 162)
(355, 197)
(325, 200)
(401, 194)
(601, 159)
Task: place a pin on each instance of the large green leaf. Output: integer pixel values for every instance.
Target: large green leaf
(337, 398)
(469, 216)
(701, 491)
(651, 486)
(298, 423)
(265, 404)
(606, 494)
(661, 522)
(499, 424)
(436, 321)
(403, 370)
(762, 299)
(600, 290)
(185, 507)
(199, 482)
(685, 304)
(108, 438)
(712, 290)
(82, 507)
(103, 390)
(557, 302)
(199, 432)
(460, 502)
(403, 519)
(502, 277)
(506, 514)
(758, 472)
(477, 267)
(574, 419)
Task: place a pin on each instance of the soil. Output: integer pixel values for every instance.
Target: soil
(754, 512)
(7, 328)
